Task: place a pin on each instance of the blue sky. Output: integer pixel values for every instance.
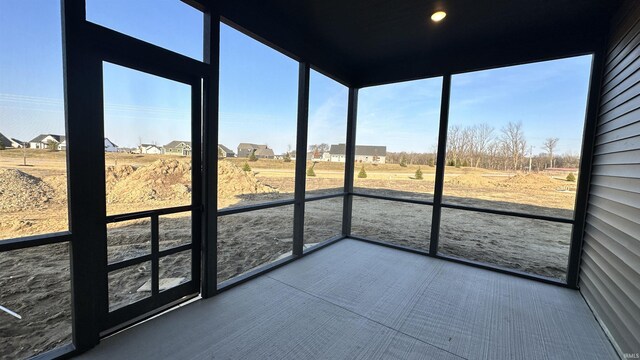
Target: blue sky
(258, 88)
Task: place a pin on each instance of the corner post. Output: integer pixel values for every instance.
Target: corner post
(440, 165)
(350, 155)
(301, 158)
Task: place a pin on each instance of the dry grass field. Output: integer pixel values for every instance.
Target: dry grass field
(33, 201)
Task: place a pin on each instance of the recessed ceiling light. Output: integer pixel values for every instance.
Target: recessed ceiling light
(438, 16)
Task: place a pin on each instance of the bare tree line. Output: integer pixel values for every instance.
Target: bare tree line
(482, 146)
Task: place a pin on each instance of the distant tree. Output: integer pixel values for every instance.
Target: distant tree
(52, 145)
(362, 174)
(253, 156)
(418, 174)
(430, 162)
(550, 144)
(403, 161)
(286, 158)
(571, 177)
(513, 143)
(246, 167)
(2, 146)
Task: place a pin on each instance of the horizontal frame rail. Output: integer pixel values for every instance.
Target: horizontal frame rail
(508, 213)
(148, 257)
(391, 198)
(149, 213)
(324, 197)
(247, 208)
(33, 241)
(476, 264)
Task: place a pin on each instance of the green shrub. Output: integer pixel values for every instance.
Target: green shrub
(418, 174)
(571, 177)
(246, 167)
(253, 156)
(403, 161)
(310, 171)
(286, 158)
(362, 174)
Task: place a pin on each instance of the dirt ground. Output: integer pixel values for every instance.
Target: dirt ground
(35, 282)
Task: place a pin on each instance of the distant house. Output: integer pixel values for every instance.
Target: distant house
(364, 153)
(225, 151)
(63, 145)
(5, 142)
(43, 141)
(261, 151)
(109, 146)
(148, 149)
(178, 148)
(18, 144)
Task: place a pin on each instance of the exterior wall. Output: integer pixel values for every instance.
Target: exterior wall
(369, 159)
(359, 158)
(610, 264)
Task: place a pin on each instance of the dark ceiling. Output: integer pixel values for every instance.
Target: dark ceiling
(368, 42)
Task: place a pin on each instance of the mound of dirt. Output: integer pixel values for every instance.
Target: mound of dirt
(161, 180)
(21, 191)
(165, 180)
(232, 181)
(470, 180)
(531, 181)
(114, 174)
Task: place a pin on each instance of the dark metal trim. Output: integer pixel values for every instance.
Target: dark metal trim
(129, 262)
(508, 213)
(350, 153)
(476, 264)
(143, 56)
(323, 197)
(390, 198)
(36, 240)
(441, 159)
(210, 152)
(254, 273)
(264, 269)
(63, 352)
(85, 165)
(149, 213)
(301, 157)
(155, 259)
(502, 270)
(586, 166)
(390, 245)
(323, 244)
(247, 208)
(151, 305)
(149, 257)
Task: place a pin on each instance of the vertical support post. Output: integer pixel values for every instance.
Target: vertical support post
(350, 160)
(210, 152)
(301, 158)
(440, 165)
(155, 258)
(198, 176)
(85, 165)
(584, 178)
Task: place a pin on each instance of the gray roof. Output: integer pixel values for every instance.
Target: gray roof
(5, 141)
(148, 145)
(362, 150)
(17, 141)
(264, 152)
(175, 143)
(225, 149)
(41, 137)
(251, 146)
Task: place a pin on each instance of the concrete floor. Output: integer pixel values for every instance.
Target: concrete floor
(355, 300)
